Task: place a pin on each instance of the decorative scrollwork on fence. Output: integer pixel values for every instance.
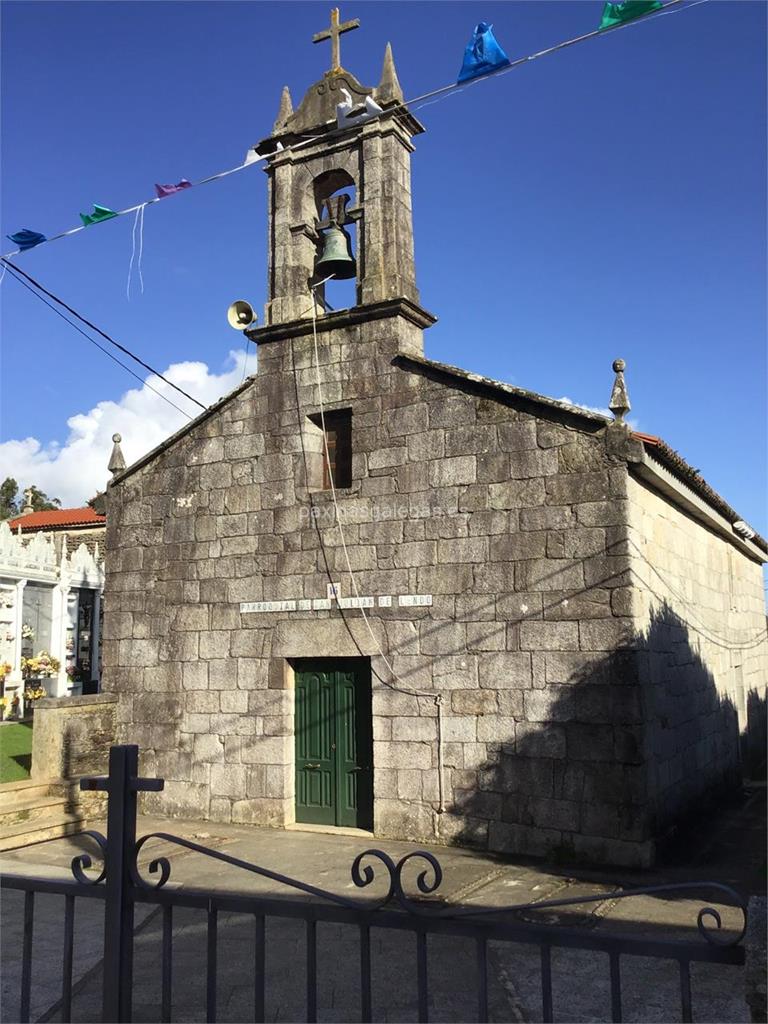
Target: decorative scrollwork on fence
(710, 934)
(428, 880)
(161, 864)
(425, 884)
(83, 860)
(714, 935)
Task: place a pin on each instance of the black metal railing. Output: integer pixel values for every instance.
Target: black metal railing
(121, 886)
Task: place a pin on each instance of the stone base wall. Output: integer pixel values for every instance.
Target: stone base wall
(71, 737)
(700, 612)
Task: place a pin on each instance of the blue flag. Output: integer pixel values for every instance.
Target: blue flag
(483, 54)
(27, 239)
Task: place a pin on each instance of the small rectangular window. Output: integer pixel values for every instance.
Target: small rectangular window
(335, 448)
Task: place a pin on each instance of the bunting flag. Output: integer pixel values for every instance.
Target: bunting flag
(483, 54)
(626, 10)
(99, 214)
(27, 239)
(169, 190)
(482, 57)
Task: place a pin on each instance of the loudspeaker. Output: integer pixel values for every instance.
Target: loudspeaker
(241, 315)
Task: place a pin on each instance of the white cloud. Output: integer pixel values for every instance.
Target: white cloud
(75, 470)
(632, 421)
(589, 408)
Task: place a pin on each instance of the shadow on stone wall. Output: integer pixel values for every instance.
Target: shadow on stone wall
(610, 760)
(755, 738)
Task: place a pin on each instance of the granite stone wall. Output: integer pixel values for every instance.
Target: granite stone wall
(522, 523)
(511, 515)
(700, 616)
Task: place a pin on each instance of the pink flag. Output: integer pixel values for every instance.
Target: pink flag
(169, 190)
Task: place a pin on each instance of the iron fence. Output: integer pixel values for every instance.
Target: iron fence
(122, 886)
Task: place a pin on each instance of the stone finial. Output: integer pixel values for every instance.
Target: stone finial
(27, 507)
(389, 87)
(285, 111)
(116, 459)
(619, 403)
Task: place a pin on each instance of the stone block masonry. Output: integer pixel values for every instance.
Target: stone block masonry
(536, 634)
(700, 611)
(520, 638)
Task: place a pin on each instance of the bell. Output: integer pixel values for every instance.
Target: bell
(336, 259)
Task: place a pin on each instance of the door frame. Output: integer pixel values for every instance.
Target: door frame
(362, 668)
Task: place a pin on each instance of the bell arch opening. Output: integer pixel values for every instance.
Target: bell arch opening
(335, 194)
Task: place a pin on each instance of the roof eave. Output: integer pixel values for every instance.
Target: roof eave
(658, 451)
(498, 388)
(181, 432)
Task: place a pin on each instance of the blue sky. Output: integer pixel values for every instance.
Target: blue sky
(605, 201)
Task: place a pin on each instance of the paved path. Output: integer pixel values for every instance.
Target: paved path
(580, 979)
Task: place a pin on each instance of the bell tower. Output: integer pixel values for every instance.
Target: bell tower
(343, 136)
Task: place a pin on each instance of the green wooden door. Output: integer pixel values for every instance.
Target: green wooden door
(334, 746)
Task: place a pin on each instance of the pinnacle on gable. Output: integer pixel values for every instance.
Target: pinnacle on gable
(285, 111)
(116, 459)
(619, 403)
(389, 88)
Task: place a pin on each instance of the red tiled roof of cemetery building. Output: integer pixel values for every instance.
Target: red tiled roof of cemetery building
(57, 518)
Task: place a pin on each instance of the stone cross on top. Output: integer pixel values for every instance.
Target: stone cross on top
(334, 33)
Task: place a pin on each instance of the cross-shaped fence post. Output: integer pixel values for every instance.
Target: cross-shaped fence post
(121, 785)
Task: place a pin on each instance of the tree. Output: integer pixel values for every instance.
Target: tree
(98, 502)
(40, 501)
(11, 504)
(8, 506)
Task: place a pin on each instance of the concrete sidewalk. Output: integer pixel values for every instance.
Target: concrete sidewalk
(580, 979)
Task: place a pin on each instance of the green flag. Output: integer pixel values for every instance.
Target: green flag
(620, 13)
(99, 214)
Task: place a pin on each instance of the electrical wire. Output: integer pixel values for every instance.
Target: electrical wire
(704, 629)
(103, 334)
(245, 359)
(144, 383)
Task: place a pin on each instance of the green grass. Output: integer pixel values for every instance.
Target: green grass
(15, 751)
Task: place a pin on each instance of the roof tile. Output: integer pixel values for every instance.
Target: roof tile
(57, 518)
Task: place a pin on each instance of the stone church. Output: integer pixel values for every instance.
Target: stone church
(368, 590)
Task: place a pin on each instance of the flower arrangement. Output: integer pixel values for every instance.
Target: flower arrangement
(27, 633)
(7, 711)
(5, 669)
(34, 693)
(42, 664)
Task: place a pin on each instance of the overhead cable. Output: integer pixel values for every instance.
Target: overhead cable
(111, 340)
(142, 381)
(398, 685)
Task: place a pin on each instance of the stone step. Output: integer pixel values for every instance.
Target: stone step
(13, 794)
(26, 833)
(34, 808)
